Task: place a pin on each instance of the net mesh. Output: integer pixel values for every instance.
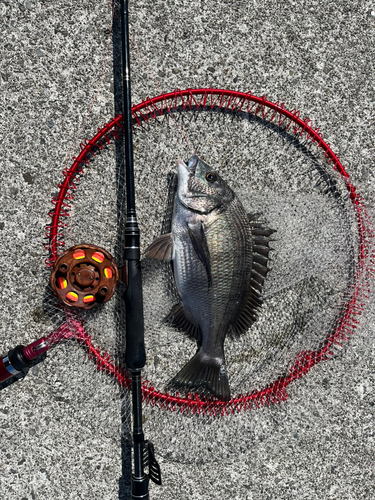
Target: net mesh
(321, 258)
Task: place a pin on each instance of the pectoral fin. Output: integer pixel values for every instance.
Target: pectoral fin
(161, 248)
(199, 242)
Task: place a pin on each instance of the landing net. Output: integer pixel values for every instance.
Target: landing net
(279, 166)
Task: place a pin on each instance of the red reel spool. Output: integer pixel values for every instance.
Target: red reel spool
(84, 276)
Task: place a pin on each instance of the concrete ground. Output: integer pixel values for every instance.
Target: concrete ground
(63, 426)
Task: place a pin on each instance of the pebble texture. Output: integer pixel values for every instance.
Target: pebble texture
(63, 426)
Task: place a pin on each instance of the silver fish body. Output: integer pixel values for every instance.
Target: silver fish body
(212, 248)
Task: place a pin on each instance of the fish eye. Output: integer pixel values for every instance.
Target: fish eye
(211, 177)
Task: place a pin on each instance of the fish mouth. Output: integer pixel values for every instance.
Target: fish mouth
(191, 167)
(181, 163)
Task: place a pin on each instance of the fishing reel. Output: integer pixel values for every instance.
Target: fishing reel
(84, 276)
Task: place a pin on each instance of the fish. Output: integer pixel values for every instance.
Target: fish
(219, 255)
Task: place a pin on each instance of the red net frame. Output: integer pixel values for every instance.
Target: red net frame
(276, 113)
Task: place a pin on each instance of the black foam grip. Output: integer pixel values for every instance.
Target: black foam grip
(135, 356)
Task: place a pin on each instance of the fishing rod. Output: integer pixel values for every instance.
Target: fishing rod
(135, 357)
(91, 262)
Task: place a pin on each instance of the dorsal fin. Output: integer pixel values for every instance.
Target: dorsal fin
(252, 301)
(247, 314)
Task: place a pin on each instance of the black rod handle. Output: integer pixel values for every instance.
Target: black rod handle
(135, 356)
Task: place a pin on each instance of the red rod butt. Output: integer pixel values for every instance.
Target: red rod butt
(21, 357)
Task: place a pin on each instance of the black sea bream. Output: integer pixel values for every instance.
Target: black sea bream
(219, 256)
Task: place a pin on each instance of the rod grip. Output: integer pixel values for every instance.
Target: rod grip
(135, 356)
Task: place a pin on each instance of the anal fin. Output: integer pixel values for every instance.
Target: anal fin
(177, 318)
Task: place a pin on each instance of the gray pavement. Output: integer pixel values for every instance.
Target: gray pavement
(63, 426)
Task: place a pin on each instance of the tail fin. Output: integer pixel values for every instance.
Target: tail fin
(204, 371)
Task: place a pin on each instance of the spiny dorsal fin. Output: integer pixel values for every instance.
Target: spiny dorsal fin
(252, 301)
(260, 268)
(161, 248)
(256, 286)
(259, 258)
(257, 231)
(261, 250)
(247, 315)
(254, 217)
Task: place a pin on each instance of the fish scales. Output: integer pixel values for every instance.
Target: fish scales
(211, 246)
(229, 243)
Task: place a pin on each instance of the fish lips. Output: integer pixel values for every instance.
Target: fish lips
(190, 167)
(184, 173)
(187, 196)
